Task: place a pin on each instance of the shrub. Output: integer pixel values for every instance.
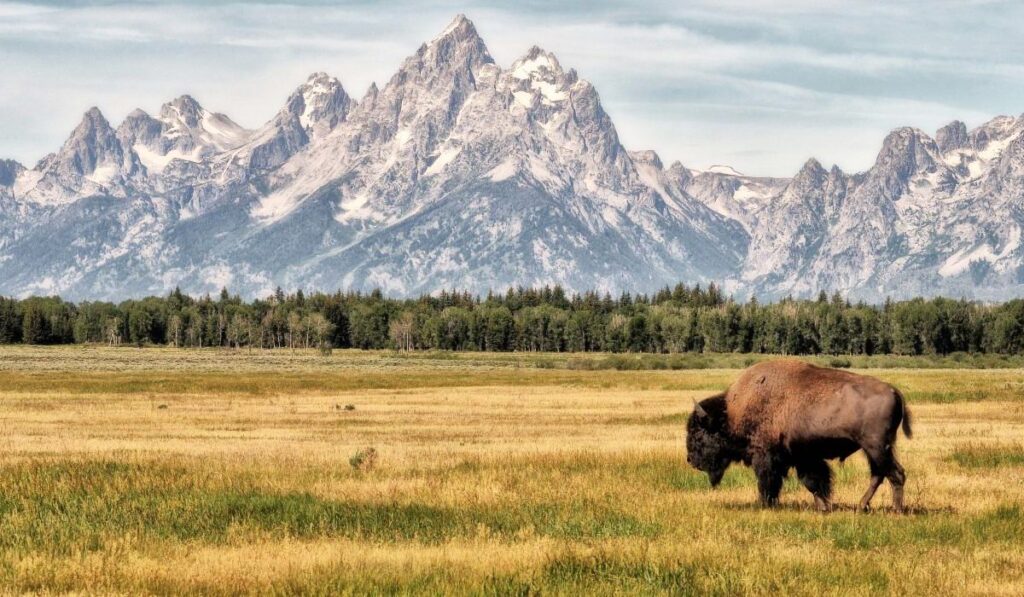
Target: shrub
(364, 460)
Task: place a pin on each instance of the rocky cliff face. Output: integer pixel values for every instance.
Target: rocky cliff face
(461, 173)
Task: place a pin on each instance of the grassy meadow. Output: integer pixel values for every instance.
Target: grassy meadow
(164, 471)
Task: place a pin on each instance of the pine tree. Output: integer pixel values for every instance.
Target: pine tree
(10, 321)
(34, 328)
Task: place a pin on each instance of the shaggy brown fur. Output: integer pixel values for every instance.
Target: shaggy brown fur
(789, 414)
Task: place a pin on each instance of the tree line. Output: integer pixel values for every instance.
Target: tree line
(680, 319)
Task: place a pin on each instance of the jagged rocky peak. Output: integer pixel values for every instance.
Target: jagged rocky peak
(905, 152)
(813, 182)
(184, 130)
(418, 106)
(952, 136)
(312, 111)
(809, 182)
(539, 73)
(370, 97)
(320, 104)
(93, 144)
(1010, 160)
(812, 170)
(437, 78)
(996, 129)
(537, 63)
(93, 122)
(184, 109)
(679, 173)
(459, 31)
(192, 132)
(648, 157)
(583, 109)
(139, 127)
(458, 46)
(9, 171)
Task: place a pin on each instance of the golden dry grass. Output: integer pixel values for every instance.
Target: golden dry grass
(167, 472)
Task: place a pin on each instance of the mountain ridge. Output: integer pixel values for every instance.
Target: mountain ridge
(461, 173)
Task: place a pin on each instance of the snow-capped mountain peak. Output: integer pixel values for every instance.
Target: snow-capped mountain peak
(91, 160)
(311, 112)
(92, 144)
(320, 104)
(460, 28)
(456, 46)
(541, 75)
(537, 63)
(184, 131)
(459, 172)
(181, 114)
(190, 127)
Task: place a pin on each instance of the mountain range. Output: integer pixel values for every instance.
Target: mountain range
(458, 173)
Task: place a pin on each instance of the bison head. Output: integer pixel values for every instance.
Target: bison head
(709, 446)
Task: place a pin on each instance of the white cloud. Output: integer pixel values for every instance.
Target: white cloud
(16, 10)
(800, 74)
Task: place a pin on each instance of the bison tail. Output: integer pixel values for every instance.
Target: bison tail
(907, 431)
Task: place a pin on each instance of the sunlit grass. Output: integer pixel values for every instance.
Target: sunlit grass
(126, 471)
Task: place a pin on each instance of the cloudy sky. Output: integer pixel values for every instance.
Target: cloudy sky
(759, 85)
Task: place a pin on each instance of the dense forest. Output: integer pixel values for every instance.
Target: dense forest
(680, 319)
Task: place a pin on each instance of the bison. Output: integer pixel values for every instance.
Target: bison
(786, 413)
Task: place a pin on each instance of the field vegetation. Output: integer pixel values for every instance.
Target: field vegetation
(164, 471)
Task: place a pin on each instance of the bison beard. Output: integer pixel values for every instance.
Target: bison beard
(788, 414)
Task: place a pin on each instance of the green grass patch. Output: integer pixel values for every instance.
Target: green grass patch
(988, 457)
(550, 474)
(68, 507)
(583, 574)
(684, 361)
(850, 531)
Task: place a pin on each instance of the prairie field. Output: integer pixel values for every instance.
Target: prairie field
(165, 471)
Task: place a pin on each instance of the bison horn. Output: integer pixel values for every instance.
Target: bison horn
(698, 409)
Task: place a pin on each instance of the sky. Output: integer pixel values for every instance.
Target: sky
(758, 85)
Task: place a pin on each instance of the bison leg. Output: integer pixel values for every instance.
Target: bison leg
(879, 463)
(771, 470)
(897, 477)
(876, 480)
(817, 478)
(884, 466)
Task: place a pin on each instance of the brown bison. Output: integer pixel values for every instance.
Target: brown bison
(786, 413)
